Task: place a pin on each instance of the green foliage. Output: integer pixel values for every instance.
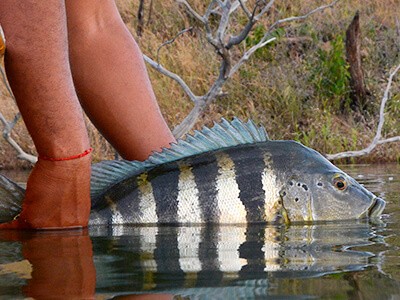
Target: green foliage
(256, 36)
(392, 115)
(394, 104)
(306, 29)
(330, 76)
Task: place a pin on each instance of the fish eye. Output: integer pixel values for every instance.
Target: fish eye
(340, 183)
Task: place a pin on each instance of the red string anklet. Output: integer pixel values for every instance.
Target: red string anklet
(84, 153)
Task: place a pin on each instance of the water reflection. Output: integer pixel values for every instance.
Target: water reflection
(210, 261)
(54, 264)
(168, 257)
(50, 265)
(335, 260)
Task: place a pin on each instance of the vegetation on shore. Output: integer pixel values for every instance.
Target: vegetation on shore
(297, 87)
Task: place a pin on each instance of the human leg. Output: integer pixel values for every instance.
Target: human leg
(38, 70)
(112, 81)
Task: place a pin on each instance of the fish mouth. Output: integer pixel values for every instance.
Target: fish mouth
(376, 208)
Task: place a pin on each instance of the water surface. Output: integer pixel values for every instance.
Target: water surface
(347, 260)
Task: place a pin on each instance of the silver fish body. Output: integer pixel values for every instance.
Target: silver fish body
(262, 182)
(229, 174)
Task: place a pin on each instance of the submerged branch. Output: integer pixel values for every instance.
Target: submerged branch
(378, 136)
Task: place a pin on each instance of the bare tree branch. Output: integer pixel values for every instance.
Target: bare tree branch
(202, 19)
(171, 41)
(173, 76)
(150, 12)
(191, 11)
(243, 6)
(264, 10)
(237, 39)
(266, 39)
(247, 55)
(3, 77)
(389, 140)
(223, 23)
(190, 120)
(222, 45)
(209, 34)
(8, 127)
(303, 17)
(378, 136)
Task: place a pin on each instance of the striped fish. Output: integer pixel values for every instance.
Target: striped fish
(229, 174)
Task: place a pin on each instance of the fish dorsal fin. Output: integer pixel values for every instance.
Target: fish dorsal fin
(107, 173)
(222, 135)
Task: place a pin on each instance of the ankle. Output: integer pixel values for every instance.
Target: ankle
(70, 157)
(66, 169)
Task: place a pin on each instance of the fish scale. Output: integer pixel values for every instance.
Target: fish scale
(224, 191)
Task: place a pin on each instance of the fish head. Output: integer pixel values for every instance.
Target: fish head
(316, 190)
(338, 196)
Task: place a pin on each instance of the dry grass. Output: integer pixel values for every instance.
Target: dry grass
(275, 87)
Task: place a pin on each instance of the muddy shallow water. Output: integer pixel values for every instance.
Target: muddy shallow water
(357, 260)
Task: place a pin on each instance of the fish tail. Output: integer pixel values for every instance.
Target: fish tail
(11, 197)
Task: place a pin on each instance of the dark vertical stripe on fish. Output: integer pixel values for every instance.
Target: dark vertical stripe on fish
(164, 180)
(121, 204)
(205, 171)
(249, 168)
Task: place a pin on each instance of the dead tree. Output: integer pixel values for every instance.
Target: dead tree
(353, 55)
(378, 139)
(223, 42)
(140, 18)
